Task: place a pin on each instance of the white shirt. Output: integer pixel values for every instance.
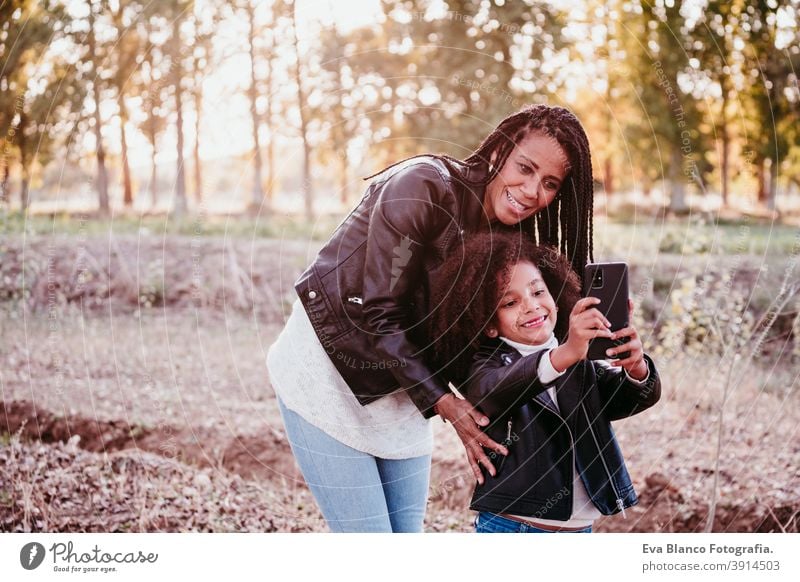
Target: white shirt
(308, 383)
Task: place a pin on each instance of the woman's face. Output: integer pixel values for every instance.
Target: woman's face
(527, 312)
(528, 181)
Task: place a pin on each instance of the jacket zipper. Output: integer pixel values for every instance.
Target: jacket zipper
(507, 443)
(572, 464)
(620, 504)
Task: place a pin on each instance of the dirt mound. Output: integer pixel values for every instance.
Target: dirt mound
(252, 457)
(663, 508)
(128, 273)
(173, 479)
(59, 487)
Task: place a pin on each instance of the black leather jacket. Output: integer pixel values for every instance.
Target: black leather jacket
(545, 442)
(366, 293)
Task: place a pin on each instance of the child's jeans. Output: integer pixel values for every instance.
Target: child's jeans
(492, 523)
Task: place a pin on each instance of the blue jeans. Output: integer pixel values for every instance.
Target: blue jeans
(355, 491)
(492, 523)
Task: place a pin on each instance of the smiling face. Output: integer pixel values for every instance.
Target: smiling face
(527, 312)
(529, 180)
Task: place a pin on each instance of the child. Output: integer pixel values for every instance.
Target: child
(511, 331)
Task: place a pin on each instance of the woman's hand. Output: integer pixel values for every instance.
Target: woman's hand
(585, 323)
(634, 364)
(467, 421)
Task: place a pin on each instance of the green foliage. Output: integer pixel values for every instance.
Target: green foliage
(705, 316)
(681, 244)
(279, 226)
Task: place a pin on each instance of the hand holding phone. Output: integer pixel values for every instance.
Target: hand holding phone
(609, 283)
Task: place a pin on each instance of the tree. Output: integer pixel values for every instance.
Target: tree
(44, 121)
(669, 122)
(154, 76)
(253, 33)
(202, 22)
(715, 39)
(334, 115)
(771, 63)
(126, 53)
(308, 190)
(95, 58)
(178, 11)
(26, 28)
(487, 51)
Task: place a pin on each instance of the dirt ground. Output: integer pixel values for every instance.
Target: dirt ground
(166, 422)
(134, 403)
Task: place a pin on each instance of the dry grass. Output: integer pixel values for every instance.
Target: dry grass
(180, 430)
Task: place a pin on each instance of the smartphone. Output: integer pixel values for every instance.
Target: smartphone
(609, 283)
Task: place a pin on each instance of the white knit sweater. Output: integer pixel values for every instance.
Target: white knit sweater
(308, 383)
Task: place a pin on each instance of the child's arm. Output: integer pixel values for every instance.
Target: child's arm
(624, 396)
(496, 388)
(637, 386)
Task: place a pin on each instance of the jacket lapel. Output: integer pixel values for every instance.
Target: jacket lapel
(511, 355)
(544, 399)
(569, 389)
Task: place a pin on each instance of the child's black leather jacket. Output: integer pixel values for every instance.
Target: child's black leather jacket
(535, 479)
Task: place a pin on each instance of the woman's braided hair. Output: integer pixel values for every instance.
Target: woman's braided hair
(567, 222)
(466, 292)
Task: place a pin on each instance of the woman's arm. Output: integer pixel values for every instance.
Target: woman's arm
(405, 219)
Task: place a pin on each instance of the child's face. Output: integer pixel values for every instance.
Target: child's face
(527, 312)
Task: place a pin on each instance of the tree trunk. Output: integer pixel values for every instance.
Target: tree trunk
(270, 144)
(153, 178)
(762, 181)
(344, 179)
(257, 196)
(151, 127)
(102, 175)
(677, 183)
(180, 180)
(773, 185)
(608, 177)
(127, 197)
(23, 193)
(608, 168)
(198, 171)
(24, 162)
(301, 102)
(4, 198)
(726, 144)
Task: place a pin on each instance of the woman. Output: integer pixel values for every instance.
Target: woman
(354, 388)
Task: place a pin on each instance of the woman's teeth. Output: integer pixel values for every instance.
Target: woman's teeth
(514, 202)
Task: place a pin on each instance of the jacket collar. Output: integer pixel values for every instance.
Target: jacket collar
(472, 194)
(569, 386)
